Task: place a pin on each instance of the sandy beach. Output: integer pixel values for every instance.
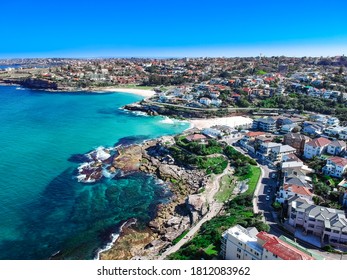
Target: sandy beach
(229, 121)
(142, 92)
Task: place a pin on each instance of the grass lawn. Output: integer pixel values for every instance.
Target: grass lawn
(210, 250)
(253, 177)
(226, 189)
(175, 241)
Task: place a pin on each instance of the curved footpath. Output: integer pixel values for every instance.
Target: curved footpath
(215, 208)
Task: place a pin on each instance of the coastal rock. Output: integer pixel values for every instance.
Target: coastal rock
(36, 83)
(171, 234)
(197, 203)
(169, 171)
(153, 225)
(129, 158)
(173, 221)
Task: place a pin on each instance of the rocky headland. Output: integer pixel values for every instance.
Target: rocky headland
(185, 207)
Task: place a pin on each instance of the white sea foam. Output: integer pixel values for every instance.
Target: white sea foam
(108, 246)
(114, 237)
(167, 120)
(81, 177)
(83, 165)
(107, 174)
(101, 154)
(140, 113)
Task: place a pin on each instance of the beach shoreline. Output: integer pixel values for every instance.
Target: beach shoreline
(233, 121)
(146, 93)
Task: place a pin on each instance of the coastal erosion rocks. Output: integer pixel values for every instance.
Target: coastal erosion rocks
(197, 206)
(173, 218)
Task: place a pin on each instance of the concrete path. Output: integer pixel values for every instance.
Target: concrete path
(214, 209)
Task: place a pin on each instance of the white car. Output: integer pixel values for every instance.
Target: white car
(267, 197)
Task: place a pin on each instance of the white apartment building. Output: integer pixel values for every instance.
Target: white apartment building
(335, 166)
(316, 147)
(239, 243)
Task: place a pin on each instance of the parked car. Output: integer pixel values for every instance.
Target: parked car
(267, 197)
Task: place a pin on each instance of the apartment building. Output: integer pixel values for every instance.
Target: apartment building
(239, 243)
(327, 223)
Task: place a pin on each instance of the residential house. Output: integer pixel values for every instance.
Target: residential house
(313, 129)
(239, 243)
(319, 118)
(298, 180)
(336, 147)
(205, 101)
(283, 121)
(265, 149)
(343, 134)
(196, 138)
(333, 130)
(335, 166)
(212, 132)
(216, 102)
(288, 191)
(278, 152)
(333, 121)
(297, 141)
(316, 147)
(264, 124)
(327, 223)
(287, 128)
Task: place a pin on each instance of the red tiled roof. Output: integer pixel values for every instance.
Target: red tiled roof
(338, 161)
(319, 142)
(282, 249)
(255, 133)
(195, 137)
(298, 189)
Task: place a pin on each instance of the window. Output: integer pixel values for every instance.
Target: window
(239, 250)
(238, 256)
(336, 231)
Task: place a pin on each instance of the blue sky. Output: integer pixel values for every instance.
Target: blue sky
(105, 28)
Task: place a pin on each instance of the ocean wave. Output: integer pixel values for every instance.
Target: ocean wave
(114, 237)
(108, 174)
(140, 113)
(167, 120)
(173, 121)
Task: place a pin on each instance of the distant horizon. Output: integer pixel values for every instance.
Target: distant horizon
(146, 29)
(167, 57)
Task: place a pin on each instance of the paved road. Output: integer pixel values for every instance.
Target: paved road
(267, 186)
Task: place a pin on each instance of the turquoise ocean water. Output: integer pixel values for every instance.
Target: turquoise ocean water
(43, 209)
